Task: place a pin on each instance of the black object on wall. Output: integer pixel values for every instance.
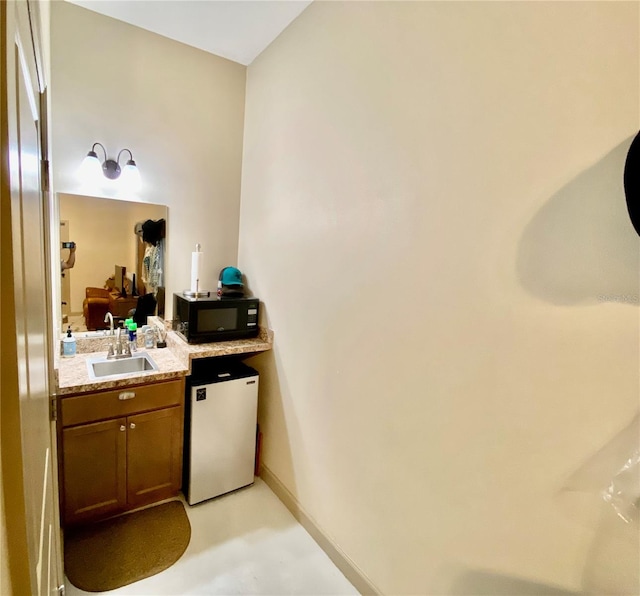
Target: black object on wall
(632, 182)
(145, 308)
(153, 231)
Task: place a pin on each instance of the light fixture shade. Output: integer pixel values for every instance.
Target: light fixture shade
(90, 172)
(93, 173)
(130, 179)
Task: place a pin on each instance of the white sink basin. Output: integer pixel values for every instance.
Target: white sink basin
(100, 368)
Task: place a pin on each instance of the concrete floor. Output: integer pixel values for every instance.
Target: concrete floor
(246, 542)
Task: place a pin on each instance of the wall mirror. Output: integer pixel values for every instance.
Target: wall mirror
(110, 235)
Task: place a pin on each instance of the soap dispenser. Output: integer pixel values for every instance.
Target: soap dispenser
(69, 345)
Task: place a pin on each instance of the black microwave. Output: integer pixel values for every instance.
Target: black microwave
(201, 320)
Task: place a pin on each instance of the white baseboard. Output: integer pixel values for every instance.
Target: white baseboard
(349, 569)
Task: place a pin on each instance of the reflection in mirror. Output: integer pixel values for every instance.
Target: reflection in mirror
(111, 237)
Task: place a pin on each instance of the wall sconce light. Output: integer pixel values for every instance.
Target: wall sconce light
(91, 169)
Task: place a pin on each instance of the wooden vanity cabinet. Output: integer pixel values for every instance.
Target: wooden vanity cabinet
(154, 456)
(120, 449)
(95, 482)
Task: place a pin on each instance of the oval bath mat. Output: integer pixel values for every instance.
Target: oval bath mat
(122, 550)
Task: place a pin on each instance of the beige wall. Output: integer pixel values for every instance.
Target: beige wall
(178, 109)
(433, 213)
(103, 231)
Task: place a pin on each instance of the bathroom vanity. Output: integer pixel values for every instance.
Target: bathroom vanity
(120, 449)
(120, 437)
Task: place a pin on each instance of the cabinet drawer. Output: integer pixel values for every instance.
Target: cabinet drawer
(120, 402)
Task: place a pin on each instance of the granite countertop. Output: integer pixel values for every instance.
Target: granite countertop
(174, 361)
(187, 352)
(73, 375)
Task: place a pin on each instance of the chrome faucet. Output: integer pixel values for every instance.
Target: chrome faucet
(109, 317)
(119, 349)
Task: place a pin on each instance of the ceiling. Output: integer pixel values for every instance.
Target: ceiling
(238, 30)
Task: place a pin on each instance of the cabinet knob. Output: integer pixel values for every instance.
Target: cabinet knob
(132, 426)
(126, 395)
(123, 427)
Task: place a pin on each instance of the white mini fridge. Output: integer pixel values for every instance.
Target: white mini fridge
(220, 437)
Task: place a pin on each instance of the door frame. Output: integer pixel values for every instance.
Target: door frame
(32, 562)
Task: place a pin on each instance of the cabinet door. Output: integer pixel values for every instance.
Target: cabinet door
(154, 455)
(95, 483)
